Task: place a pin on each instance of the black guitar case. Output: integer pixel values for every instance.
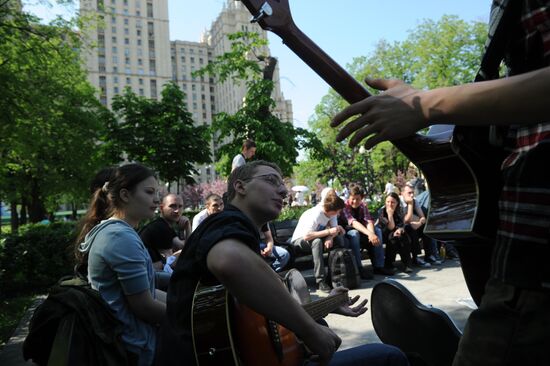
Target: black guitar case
(424, 333)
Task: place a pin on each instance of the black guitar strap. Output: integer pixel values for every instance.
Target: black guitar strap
(503, 15)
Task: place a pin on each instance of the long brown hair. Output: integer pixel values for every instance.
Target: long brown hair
(105, 197)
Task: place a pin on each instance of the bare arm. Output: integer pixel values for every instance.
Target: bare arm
(146, 308)
(269, 243)
(253, 283)
(402, 110)
(333, 231)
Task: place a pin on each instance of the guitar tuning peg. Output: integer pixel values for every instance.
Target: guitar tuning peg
(265, 10)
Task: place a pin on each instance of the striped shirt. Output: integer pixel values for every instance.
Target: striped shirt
(523, 239)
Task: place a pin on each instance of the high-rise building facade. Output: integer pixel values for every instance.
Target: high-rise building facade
(133, 48)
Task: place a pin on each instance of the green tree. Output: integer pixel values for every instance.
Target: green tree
(275, 140)
(436, 53)
(160, 134)
(51, 120)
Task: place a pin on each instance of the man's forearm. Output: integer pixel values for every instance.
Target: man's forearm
(254, 284)
(520, 99)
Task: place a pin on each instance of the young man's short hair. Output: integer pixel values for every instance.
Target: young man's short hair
(245, 172)
(356, 189)
(333, 202)
(212, 197)
(247, 144)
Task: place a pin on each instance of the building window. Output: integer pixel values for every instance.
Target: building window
(126, 41)
(193, 87)
(182, 58)
(139, 42)
(113, 30)
(114, 49)
(192, 59)
(115, 79)
(141, 93)
(126, 32)
(140, 81)
(127, 60)
(138, 32)
(149, 10)
(153, 88)
(115, 89)
(126, 22)
(128, 81)
(115, 59)
(113, 19)
(127, 70)
(115, 69)
(113, 39)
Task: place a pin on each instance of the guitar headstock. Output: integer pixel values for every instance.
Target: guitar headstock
(271, 15)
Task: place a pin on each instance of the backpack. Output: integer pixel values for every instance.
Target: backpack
(74, 326)
(343, 270)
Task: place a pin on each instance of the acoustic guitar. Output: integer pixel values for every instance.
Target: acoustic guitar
(462, 171)
(226, 332)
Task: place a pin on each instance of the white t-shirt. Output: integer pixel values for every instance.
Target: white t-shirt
(313, 219)
(389, 188)
(199, 218)
(238, 161)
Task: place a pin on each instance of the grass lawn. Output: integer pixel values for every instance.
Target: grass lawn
(11, 311)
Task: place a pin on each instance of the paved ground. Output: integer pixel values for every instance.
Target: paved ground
(440, 286)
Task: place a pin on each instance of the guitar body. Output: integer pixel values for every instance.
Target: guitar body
(228, 333)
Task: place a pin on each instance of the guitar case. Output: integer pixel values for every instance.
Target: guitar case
(424, 333)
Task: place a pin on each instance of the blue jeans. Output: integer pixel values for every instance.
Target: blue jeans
(377, 252)
(375, 354)
(279, 257)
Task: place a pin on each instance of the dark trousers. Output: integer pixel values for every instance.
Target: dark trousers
(401, 245)
(511, 327)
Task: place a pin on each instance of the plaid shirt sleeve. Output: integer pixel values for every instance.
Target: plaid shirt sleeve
(365, 213)
(347, 214)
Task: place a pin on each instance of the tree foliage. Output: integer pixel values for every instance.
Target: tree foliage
(276, 141)
(435, 53)
(160, 134)
(51, 120)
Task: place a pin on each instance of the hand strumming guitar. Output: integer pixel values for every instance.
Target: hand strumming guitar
(347, 309)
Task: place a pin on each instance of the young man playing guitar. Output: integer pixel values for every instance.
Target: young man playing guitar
(225, 249)
(511, 325)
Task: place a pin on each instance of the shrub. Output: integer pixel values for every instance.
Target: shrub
(291, 213)
(36, 257)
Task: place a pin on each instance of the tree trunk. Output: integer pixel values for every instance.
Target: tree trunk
(74, 215)
(37, 211)
(14, 220)
(23, 213)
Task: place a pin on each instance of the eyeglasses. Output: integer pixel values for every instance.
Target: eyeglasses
(272, 179)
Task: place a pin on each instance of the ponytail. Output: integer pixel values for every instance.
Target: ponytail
(98, 210)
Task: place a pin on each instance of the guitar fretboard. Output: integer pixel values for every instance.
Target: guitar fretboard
(320, 308)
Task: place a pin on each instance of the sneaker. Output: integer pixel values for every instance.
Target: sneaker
(407, 269)
(323, 286)
(365, 274)
(419, 262)
(433, 260)
(384, 271)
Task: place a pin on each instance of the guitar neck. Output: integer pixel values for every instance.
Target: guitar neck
(320, 308)
(338, 78)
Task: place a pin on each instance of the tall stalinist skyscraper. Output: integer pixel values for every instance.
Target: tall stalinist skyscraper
(134, 49)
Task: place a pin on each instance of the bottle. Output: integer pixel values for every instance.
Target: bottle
(442, 252)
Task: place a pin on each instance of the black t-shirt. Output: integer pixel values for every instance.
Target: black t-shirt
(175, 344)
(157, 235)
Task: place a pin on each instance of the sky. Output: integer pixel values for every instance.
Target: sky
(344, 29)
